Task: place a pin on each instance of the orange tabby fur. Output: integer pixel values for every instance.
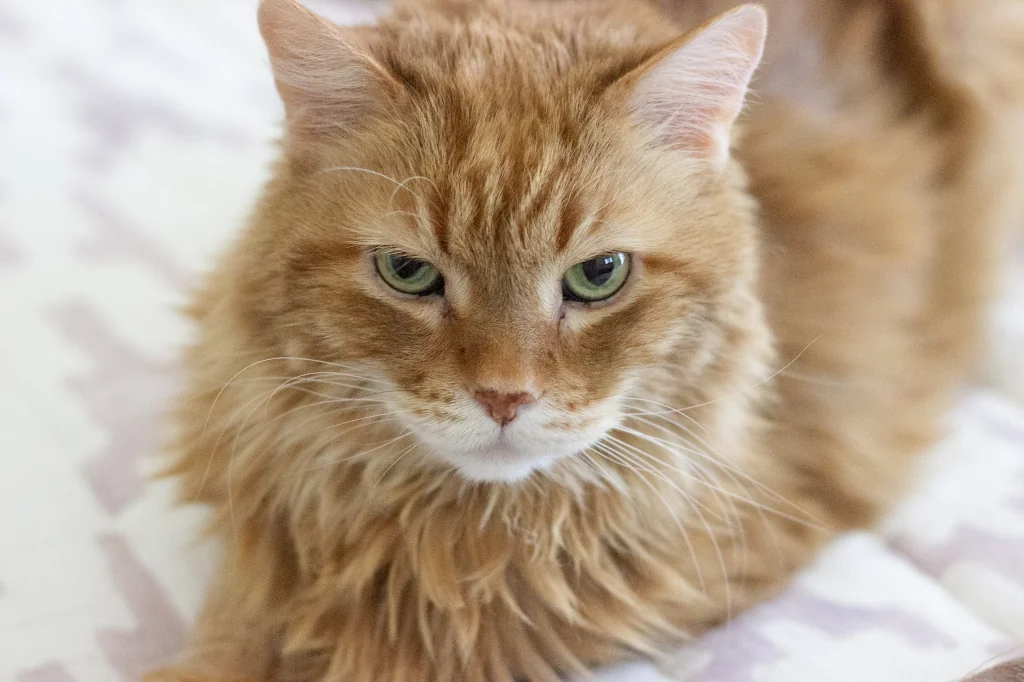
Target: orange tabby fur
(815, 341)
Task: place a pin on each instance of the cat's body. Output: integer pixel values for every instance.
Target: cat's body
(773, 371)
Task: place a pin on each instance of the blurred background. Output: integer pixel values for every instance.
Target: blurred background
(134, 135)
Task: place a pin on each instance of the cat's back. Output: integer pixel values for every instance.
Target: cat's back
(885, 173)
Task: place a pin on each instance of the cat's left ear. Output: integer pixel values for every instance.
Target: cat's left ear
(690, 93)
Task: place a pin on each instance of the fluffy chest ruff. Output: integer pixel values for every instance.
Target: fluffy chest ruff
(459, 580)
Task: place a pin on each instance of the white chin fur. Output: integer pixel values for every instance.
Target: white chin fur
(499, 468)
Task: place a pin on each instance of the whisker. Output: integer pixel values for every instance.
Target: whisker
(614, 456)
(357, 169)
(281, 358)
(675, 452)
(669, 410)
(718, 459)
(397, 460)
(695, 505)
(405, 433)
(730, 470)
(616, 480)
(755, 385)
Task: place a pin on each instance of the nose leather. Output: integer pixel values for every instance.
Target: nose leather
(503, 407)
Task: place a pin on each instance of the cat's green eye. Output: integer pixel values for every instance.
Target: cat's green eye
(409, 275)
(596, 279)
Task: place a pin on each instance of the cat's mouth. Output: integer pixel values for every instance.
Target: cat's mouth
(481, 450)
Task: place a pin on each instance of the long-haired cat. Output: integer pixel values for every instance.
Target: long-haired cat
(529, 361)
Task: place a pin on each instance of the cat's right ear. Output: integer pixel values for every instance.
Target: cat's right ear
(326, 75)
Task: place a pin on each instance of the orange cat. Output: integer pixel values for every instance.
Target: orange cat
(519, 368)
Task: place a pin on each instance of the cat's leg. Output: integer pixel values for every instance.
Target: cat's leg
(231, 641)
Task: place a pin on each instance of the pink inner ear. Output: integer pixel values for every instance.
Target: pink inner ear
(691, 94)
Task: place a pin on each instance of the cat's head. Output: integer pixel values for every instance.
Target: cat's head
(515, 227)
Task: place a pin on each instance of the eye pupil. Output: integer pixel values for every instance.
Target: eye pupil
(404, 267)
(599, 270)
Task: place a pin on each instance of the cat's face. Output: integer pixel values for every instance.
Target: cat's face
(511, 257)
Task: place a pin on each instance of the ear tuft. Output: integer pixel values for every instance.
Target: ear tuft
(691, 92)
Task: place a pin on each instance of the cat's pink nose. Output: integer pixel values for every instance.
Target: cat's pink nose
(503, 407)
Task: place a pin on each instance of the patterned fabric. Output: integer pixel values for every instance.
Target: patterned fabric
(135, 134)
